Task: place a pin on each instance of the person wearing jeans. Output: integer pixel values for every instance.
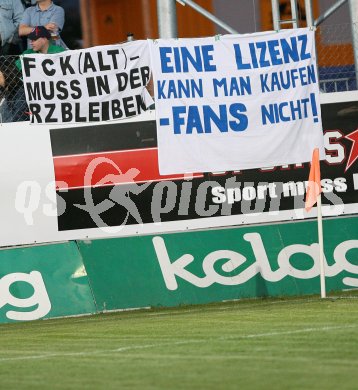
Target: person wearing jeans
(11, 12)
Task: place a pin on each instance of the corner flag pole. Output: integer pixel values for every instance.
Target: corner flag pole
(314, 195)
(320, 243)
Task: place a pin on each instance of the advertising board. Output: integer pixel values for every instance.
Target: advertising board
(223, 264)
(43, 281)
(102, 180)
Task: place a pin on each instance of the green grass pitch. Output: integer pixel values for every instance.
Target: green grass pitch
(301, 343)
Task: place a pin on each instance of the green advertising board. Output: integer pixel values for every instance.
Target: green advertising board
(43, 281)
(222, 264)
(72, 278)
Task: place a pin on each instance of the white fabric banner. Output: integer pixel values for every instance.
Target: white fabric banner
(88, 85)
(236, 101)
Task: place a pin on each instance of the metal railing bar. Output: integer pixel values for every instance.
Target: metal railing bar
(329, 12)
(208, 15)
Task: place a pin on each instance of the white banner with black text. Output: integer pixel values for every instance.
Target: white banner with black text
(89, 85)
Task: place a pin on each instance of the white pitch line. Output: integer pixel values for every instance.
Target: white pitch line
(306, 330)
(146, 346)
(98, 352)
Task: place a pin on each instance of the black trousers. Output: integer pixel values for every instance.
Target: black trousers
(4, 50)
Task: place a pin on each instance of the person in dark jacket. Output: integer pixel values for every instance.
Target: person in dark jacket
(13, 105)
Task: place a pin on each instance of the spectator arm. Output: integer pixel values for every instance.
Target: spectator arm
(24, 30)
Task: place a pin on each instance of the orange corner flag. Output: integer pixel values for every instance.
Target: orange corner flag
(314, 182)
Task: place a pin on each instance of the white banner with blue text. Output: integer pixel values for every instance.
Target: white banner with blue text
(89, 85)
(236, 102)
